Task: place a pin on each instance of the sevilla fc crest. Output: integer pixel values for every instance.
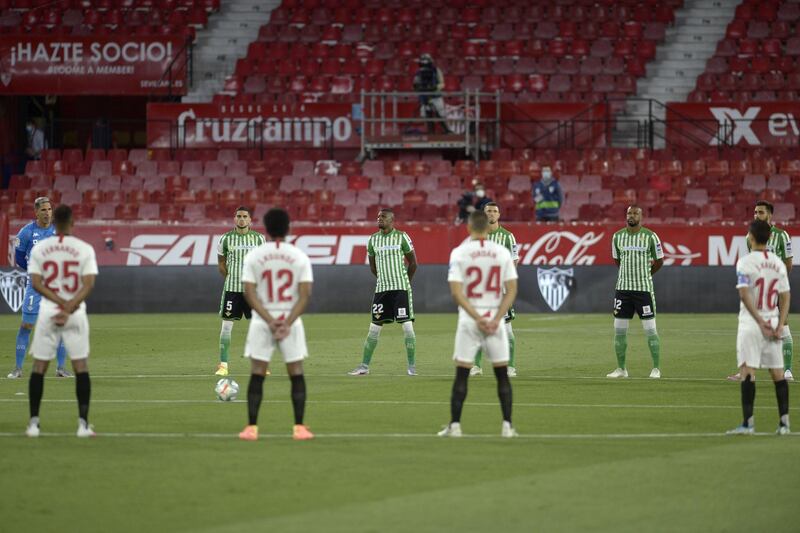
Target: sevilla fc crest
(12, 286)
(555, 284)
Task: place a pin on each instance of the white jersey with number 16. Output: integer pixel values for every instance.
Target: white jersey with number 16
(764, 274)
(277, 268)
(483, 267)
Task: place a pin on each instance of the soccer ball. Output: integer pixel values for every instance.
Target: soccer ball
(227, 389)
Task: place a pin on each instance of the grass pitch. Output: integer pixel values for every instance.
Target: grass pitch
(595, 454)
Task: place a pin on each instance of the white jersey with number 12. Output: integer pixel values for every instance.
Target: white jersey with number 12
(764, 274)
(277, 268)
(483, 267)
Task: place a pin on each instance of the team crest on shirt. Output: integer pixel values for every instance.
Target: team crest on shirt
(555, 284)
(12, 286)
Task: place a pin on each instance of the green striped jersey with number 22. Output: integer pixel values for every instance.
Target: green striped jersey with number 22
(635, 252)
(234, 247)
(389, 250)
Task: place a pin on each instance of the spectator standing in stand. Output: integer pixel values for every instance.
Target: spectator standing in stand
(548, 197)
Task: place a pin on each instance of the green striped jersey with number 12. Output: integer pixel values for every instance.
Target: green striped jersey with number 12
(389, 250)
(779, 243)
(234, 247)
(506, 239)
(636, 252)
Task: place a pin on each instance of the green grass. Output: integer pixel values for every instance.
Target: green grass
(596, 454)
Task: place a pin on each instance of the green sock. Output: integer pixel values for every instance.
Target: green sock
(654, 343)
(369, 349)
(788, 347)
(620, 346)
(411, 349)
(511, 344)
(224, 346)
(478, 357)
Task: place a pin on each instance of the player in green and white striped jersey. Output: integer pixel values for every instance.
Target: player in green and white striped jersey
(780, 244)
(637, 252)
(504, 238)
(388, 251)
(232, 248)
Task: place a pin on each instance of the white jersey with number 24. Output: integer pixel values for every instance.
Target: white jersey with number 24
(483, 267)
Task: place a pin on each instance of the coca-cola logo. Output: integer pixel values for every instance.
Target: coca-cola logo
(561, 248)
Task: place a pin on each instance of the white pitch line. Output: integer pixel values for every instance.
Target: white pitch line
(403, 402)
(543, 436)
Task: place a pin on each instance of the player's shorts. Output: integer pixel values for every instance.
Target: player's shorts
(392, 306)
(470, 339)
(233, 306)
(260, 344)
(47, 336)
(30, 305)
(626, 302)
(756, 351)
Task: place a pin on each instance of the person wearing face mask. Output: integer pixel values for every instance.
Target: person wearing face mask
(548, 197)
(35, 144)
(472, 201)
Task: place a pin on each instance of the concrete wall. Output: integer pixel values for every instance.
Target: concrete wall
(350, 288)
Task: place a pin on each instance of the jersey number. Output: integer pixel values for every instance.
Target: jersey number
(770, 299)
(67, 271)
(475, 276)
(283, 278)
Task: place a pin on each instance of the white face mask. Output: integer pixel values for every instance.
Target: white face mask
(29, 128)
(547, 175)
(480, 193)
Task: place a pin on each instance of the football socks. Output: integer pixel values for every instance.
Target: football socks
(459, 393)
(788, 348)
(620, 346)
(370, 343)
(255, 391)
(83, 391)
(23, 337)
(225, 340)
(748, 399)
(504, 391)
(35, 391)
(478, 358)
(298, 397)
(654, 343)
(512, 342)
(782, 394)
(410, 342)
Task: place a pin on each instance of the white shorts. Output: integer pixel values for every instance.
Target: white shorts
(755, 350)
(470, 339)
(260, 344)
(47, 336)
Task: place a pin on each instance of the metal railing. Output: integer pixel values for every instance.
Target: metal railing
(184, 59)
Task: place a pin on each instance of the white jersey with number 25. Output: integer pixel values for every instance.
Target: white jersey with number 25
(764, 274)
(483, 267)
(277, 268)
(62, 261)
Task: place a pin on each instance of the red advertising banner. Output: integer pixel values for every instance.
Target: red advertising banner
(318, 125)
(582, 245)
(737, 124)
(91, 65)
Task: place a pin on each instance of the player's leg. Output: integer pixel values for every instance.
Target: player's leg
(467, 344)
(654, 344)
(379, 302)
(404, 314)
(623, 312)
(259, 348)
(75, 339)
(294, 351)
(512, 344)
(23, 339)
(224, 347)
(61, 366)
(477, 369)
(782, 395)
(749, 343)
(496, 348)
(411, 347)
(788, 349)
(43, 349)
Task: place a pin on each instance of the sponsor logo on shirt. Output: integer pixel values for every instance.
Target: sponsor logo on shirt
(742, 279)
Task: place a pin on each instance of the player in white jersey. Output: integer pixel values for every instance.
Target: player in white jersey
(277, 279)
(483, 282)
(764, 293)
(62, 269)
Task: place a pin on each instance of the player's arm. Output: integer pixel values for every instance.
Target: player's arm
(304, 295)
(457, 292)
(788, 263)
(372, 267)
(411, 259)
(256, 305)
(614, 251)
(38, 285)
(19, 250)
(87, 284)
(656, 266)
(222, 265)
(657, 253)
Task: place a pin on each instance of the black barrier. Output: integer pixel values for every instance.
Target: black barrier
(349, 289)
